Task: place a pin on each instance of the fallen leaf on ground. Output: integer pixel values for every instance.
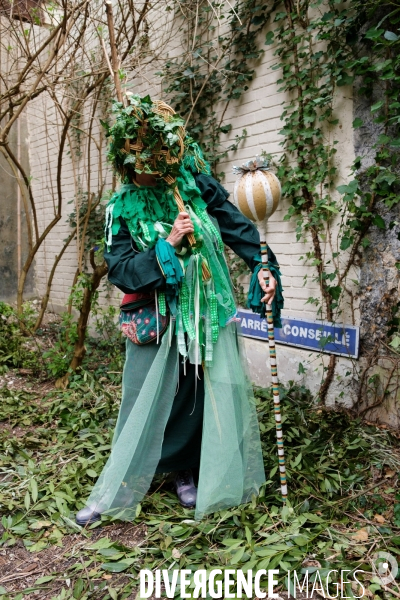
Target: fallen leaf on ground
(379, 519)
(36, 525)
(361, 535)
(30, 567)
(389, 473)
(311, 563)
(361, 591)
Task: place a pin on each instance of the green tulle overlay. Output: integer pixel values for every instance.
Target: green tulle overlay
(255, 294)
(231, 468)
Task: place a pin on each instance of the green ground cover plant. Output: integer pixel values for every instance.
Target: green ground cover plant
(343, 502)
(47, 352)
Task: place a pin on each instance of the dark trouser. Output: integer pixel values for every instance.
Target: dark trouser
(182, 439)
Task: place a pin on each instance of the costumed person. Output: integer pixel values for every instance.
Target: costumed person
(186, 401)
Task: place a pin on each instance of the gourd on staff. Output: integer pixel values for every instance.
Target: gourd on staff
(257, 194)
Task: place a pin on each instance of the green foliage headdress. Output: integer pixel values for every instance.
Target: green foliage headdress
(149, 137)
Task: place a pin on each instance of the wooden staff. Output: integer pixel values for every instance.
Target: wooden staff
(192, 240)
(274, 369)
(257, 193)
(114, 54)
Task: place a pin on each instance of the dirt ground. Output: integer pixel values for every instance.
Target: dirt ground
(19, 569)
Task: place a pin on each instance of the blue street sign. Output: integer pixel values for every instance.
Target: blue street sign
(320, 336)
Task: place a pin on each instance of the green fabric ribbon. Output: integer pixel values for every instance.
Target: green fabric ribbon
(256, 293)
(172, 270)
(200, 307)
(193, 159)
(151, 210)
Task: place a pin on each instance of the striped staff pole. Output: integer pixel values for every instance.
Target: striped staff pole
(274, 370)
(257, 193)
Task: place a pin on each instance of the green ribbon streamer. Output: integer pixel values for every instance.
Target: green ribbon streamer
(172, 271)
(199, 307)
(256, 293)
(144, 208)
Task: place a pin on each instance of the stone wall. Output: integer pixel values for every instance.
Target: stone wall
(379, 289)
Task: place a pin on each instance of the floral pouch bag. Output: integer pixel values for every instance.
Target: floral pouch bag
(140, 320)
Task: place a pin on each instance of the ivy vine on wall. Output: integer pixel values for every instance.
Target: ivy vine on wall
(216, 67)
(321, 47)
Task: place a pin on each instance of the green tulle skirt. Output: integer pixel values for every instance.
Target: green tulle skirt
(231, 465)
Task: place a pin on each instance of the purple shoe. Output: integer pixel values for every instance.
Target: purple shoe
(185, 488)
